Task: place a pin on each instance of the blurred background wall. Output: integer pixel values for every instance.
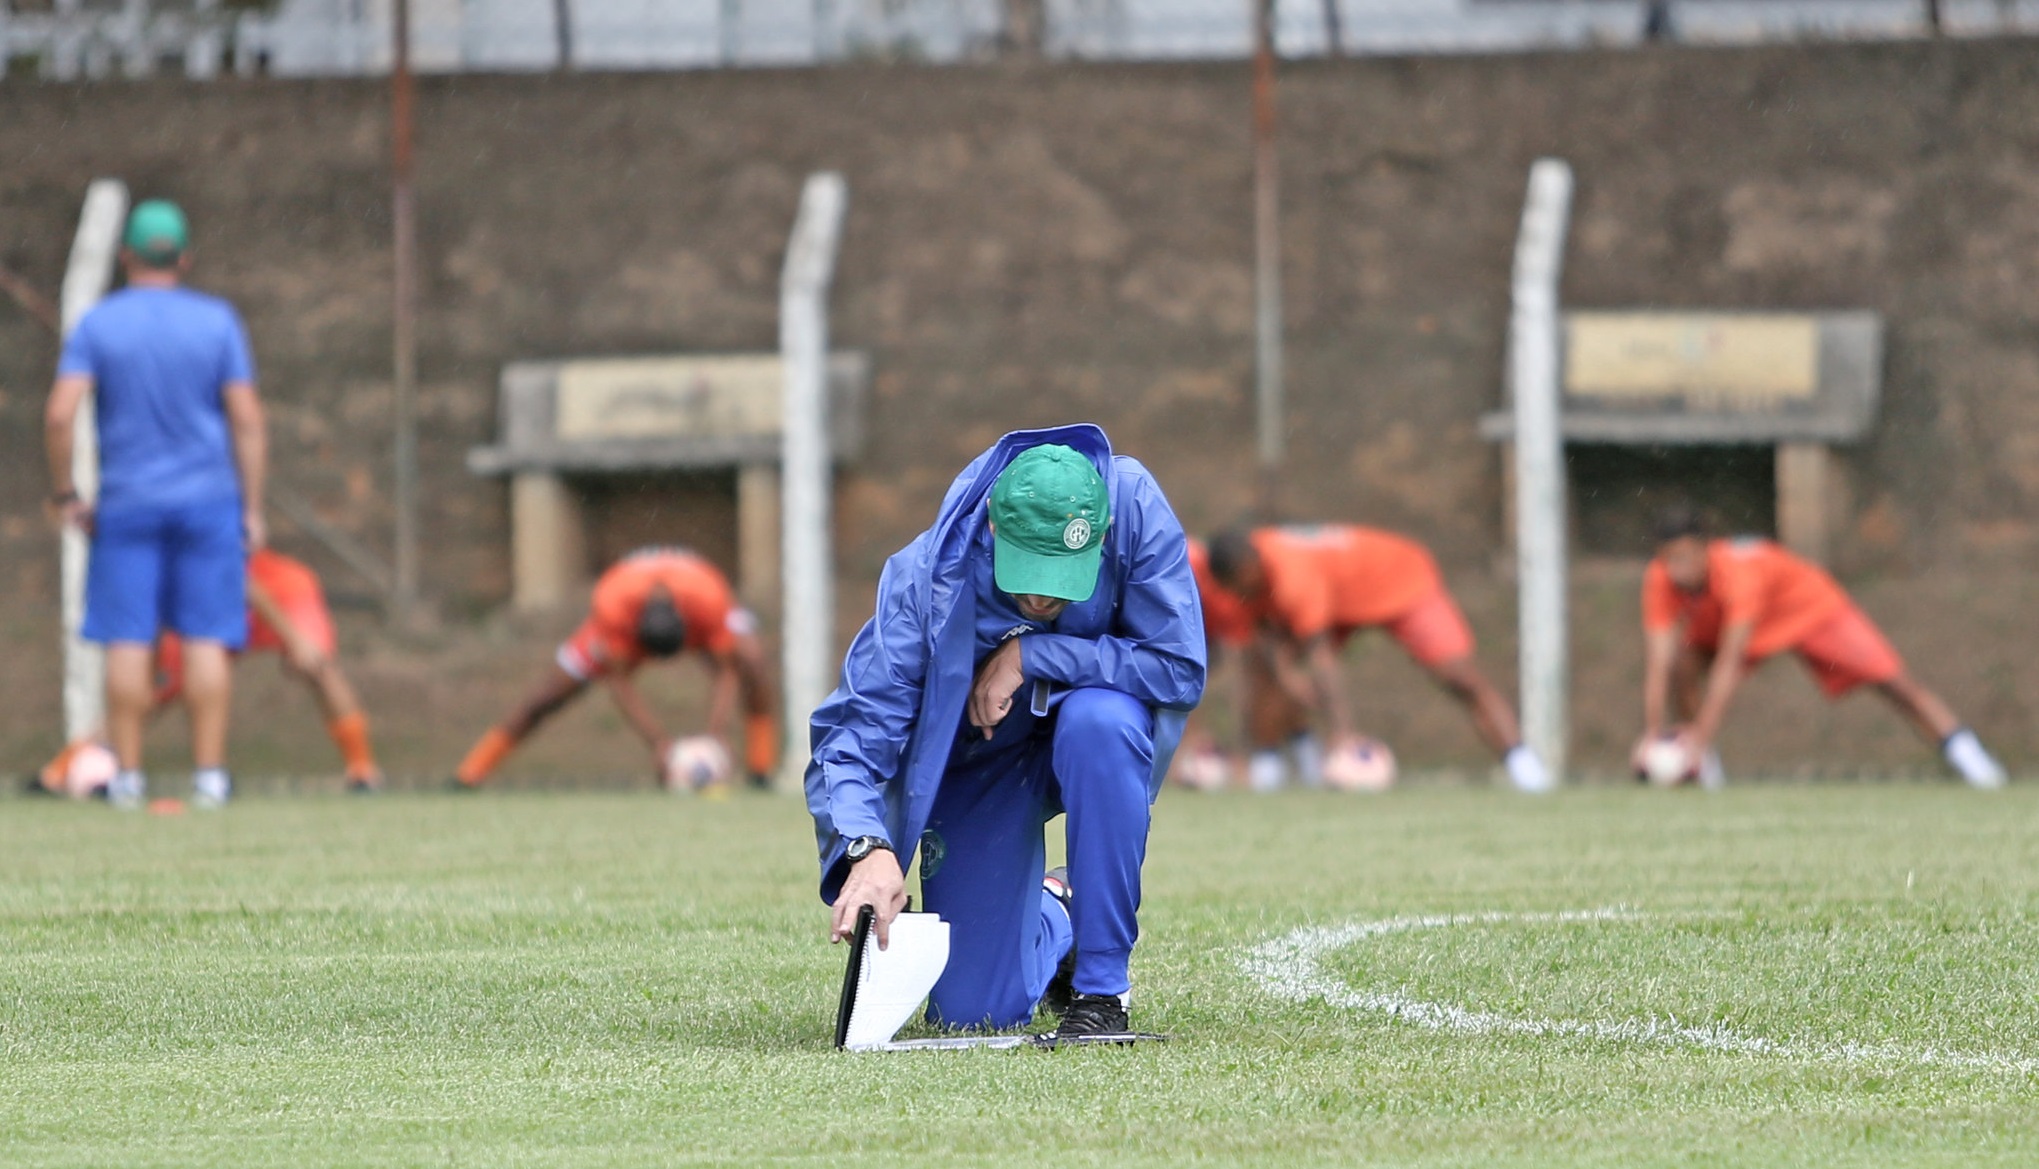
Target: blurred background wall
(1037, 242)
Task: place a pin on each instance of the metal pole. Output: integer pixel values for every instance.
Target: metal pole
(1266, 259)
(807, 629)
(404, 355)
(87, 276)
(562, 28)
(1334, 34)
(1540, 462)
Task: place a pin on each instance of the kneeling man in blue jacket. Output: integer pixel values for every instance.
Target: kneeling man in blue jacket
(1034, 654)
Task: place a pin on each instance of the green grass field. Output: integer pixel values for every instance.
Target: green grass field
(636, 979)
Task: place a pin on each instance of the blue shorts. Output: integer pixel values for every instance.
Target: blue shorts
(182, 568)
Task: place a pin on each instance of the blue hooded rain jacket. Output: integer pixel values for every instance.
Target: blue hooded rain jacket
(881, 741)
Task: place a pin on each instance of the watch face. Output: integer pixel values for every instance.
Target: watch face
(859, 848)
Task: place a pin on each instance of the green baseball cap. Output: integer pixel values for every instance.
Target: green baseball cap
(156, 231)
(1050, 510)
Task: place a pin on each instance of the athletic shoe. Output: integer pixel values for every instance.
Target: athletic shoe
(1712, 776)
(1266, 771)
(1526, 770)
(32, 785)
(1967, 756)
(758, 781)
(364, 785)
(1093, 1014)
(1062, 987)
(211, 788)
(127, 790)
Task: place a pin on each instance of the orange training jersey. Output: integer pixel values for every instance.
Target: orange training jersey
(1227, 620)
(1340, 577)
(700, 593)
(1746, 580)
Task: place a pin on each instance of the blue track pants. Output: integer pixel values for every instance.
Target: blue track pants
(984, 851)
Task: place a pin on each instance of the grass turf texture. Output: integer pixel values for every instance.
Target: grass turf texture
(636, 979)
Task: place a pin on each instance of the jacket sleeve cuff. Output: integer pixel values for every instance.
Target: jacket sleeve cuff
(1059, 658)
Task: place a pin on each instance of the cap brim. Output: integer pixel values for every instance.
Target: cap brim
(1069, 578)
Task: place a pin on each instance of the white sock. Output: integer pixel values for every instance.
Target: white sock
(1526, 770)
(1309, 756)
(1265, 771)
(128, 787)
(1712, 776)
(1965, 754)
(211, 783)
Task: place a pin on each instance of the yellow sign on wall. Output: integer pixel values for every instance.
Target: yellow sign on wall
(1710, 360)
(735, 396)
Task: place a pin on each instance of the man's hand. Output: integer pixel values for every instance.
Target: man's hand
(998, 679)
(878, 882)
(71, 512)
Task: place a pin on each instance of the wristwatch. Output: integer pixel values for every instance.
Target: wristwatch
(864, 846)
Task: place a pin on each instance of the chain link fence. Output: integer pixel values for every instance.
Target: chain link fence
(74, 39)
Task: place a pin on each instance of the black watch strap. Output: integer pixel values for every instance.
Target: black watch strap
(864, 846)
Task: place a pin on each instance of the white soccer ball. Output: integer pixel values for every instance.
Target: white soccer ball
(1666, 762)
(1203, 771)
(1365, 765)
(89, 770)
(695, 762)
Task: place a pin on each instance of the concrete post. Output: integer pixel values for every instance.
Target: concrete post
(807, 627)
(1804, 494)
(86, 278)
(1533, 380)
(548, 542)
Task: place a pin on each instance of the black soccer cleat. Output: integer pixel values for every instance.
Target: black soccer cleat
(1092, 1014)
(1061, 988)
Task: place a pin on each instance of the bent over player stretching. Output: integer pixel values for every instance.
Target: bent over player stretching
(653, 603)
(1715, 609)
(1314, 586)
(1034, 653)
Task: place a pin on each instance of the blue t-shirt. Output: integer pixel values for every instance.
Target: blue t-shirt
(159, 359)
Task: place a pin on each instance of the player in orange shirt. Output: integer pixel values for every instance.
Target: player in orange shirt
(653, 603)
(1273, 721)
(287, 615)
(1315, 586)
(1715, 609)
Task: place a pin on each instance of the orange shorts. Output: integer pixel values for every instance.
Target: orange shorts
(1433, 631)
(1842, 652)
(307, 614)
(587, 654)
(1848, 651)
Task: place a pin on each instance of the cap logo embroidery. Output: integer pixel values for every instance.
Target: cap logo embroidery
(1076, 535)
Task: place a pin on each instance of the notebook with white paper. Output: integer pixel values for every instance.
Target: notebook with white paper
(883, 988)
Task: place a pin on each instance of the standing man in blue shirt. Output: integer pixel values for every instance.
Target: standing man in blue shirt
(1034, 653)
(182, 453)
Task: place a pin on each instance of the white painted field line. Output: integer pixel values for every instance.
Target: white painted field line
(1291, 968)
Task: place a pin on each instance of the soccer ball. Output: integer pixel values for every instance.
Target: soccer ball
(89, 770)
(1203, 771)
(696, 762)
(1666, 762)
(1366, 765)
